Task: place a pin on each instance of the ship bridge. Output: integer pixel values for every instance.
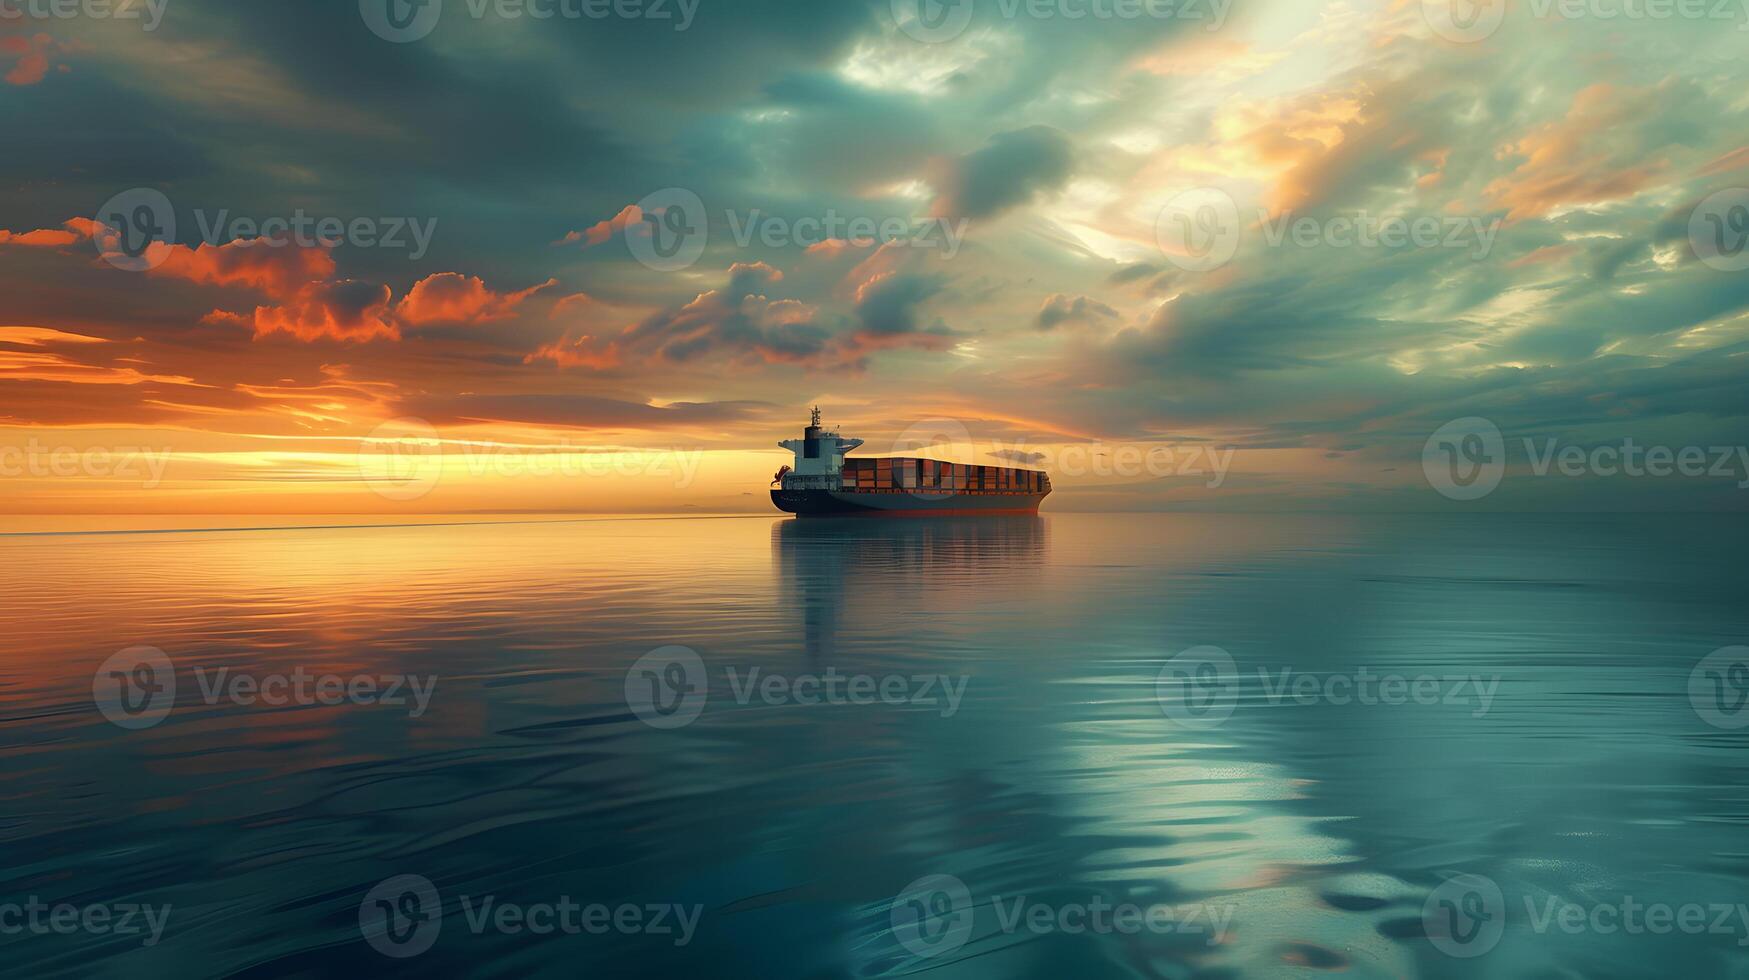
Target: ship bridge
(819, 456)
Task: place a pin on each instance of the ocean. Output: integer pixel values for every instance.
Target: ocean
(1175, 745)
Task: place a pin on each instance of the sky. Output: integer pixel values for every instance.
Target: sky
(589, 256)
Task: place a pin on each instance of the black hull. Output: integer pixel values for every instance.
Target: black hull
(850, 503)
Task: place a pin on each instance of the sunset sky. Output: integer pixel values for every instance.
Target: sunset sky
(480, 283)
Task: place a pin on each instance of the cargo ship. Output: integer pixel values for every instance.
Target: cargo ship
(823, 483)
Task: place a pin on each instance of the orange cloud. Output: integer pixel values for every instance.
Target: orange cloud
(347, 310)
(581, 352)
(33, 58)
(1193, 56)
(35, 366)
(832, 248)
(1735, 160)
(1569, 161)
(38, 336)
(41, 238)
(601, 231)
(450, 297)
(278, 268)
(576, 304)
(71, 232)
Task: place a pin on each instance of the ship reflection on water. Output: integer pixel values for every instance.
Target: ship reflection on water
(846, 571)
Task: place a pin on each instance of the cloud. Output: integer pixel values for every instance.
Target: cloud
(1130, 273)
(38, 336)
(601, 231)
(71, 232)
(1735, 160)
(450, 297)
(832, 248)
(579, 411)
(1604, 148)
(1331, 146)
(39, 364)
(1008, 171)
(887, 304)
(312, 303)
(346, 310)
(1060, 309)
(277, 268)
(574, 305)
(589, 320)
(584, 352)
(32, 54)
(738, 321)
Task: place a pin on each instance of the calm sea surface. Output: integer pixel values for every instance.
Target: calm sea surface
(1436, 747)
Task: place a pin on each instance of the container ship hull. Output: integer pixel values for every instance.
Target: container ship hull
(825, 483)
(852, 503)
